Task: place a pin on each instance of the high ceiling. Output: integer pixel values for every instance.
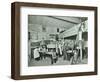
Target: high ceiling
(64, 22)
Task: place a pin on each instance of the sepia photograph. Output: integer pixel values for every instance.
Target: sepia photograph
(57, 40)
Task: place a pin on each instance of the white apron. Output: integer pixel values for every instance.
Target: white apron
(36, 53)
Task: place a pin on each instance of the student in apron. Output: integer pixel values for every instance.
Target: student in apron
(36, 53)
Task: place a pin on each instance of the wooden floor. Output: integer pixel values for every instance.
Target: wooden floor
(47, 62)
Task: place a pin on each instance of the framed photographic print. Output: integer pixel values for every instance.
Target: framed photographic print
(53, 40)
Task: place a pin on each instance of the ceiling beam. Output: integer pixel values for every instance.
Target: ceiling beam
(63, 20)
